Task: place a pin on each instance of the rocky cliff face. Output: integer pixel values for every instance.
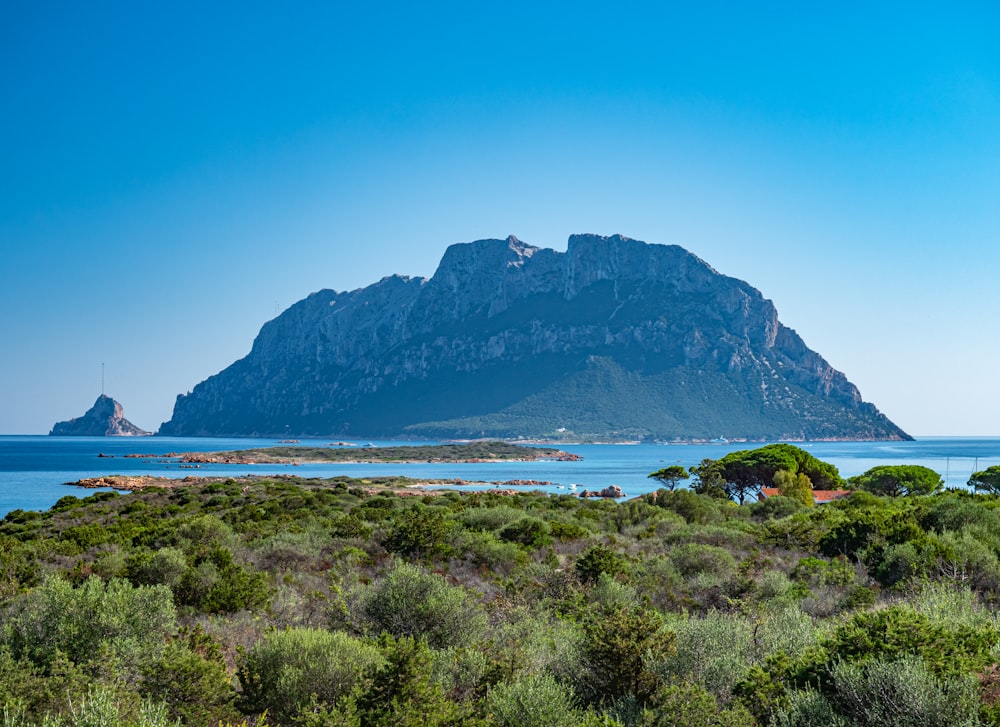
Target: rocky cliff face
(614, 337)
(105, 418)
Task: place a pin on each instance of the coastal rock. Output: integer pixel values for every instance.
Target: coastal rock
(612, 340)
(105, 418)
(611, 491)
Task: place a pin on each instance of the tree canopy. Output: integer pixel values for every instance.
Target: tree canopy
(670, 476)
(987, 480)
(744, 472)
(898, 479)
(759, 466)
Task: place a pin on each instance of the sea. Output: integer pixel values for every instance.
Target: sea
(35, 470)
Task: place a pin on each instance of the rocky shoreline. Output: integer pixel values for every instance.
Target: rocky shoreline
(138, 483)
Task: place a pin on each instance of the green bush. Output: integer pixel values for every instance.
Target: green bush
(78, 622)
(531, 532)
(533, 700)
(421, 531)
(684, 704)
(409, 601)
(903, 693)
(597, 560)
(565, 532)
(694, 558)
(195, 688)
(288, 671)
(490, 518)
(617, 650)
(402, 693)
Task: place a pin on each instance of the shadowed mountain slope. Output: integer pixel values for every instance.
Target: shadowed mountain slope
(613, 338)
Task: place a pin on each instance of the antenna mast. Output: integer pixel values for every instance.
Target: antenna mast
(102, 378)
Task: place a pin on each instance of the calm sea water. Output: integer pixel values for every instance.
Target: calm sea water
(34, 469)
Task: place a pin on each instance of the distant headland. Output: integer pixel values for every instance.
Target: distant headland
(612, 340)
(106, 418)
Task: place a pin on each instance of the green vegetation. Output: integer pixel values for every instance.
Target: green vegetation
(898, 480)
(336, 603)
(462, 452)
(670, 476)
(987, 480)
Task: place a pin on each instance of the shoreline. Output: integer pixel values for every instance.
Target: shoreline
(399, 485)
(469, 453)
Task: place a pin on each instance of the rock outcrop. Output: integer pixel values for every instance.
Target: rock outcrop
(614, 338)
(105, 418)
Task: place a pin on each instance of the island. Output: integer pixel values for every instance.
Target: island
(458, 453)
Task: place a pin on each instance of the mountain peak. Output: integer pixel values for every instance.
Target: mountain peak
(106, 418)
(614, 338)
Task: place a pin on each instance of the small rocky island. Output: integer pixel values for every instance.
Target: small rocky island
(106, 418)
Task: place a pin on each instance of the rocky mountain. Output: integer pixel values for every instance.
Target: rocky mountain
(105, 418)
(613, 338)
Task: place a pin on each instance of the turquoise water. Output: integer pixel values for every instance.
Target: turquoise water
(33, 469)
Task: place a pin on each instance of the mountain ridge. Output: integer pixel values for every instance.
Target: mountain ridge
(614, 337)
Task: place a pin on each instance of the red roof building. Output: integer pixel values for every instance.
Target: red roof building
(819, 496)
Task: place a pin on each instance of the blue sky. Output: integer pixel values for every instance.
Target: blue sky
(174, 175)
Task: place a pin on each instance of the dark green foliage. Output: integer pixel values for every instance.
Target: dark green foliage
(618, 647)
(898, 480)
(670, 476)
(898, 631)
(530, 532)
(402, 694)
(215, 583)
(746, 471)
(190, 677)
(421, 530)
(775, 508)
(987, 480)
(690, 705)
(567, 531)
(709, 479)
(597, 560)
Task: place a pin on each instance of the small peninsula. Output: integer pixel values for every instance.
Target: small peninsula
(460, 453)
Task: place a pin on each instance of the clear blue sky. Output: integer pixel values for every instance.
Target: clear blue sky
(174, 173)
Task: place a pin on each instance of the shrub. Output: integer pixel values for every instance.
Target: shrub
(617, 649)
(565, 532)
(287, 671)
(421, 530)
(195, 688)
(533, 700)
(775, 508)
(165, 566)
(904, 693)
(693, 558)
(402, 693)
(530, 532)
(56, 617)
(408, 601)
(596, 560)
(689, 705)
(490, 518)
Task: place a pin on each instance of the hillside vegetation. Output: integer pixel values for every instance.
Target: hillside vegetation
(321, 602)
